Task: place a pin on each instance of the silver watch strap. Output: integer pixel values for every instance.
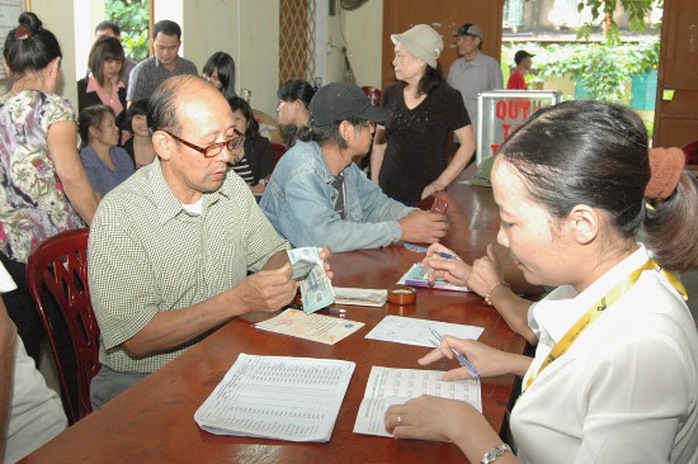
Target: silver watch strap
(495, 453)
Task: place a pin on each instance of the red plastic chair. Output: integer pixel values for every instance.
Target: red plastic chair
(278, 149)
(691, 151)
(59, 265)
(374, 94)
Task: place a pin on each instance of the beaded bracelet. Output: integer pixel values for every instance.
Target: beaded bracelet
(495, 287)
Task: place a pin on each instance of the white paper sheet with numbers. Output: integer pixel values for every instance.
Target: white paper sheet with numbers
(387, 386)
(278, 397)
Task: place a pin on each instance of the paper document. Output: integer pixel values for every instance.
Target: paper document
(282, 398)
(387, 386)
(360, 296)
(316, 289)
(411, 331)
(416, 277)
(315, 327)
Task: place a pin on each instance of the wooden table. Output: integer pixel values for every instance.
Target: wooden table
(153, 421)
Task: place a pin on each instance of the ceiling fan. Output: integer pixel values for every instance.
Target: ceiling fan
(351, 4)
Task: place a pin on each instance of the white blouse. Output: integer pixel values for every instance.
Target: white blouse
(626, 390)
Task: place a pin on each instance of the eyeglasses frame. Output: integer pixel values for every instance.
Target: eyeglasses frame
(205, 150)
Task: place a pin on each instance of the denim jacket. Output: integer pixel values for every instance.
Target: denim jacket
(299, 201)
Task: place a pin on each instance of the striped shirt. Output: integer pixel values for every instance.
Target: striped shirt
(148, 254)
(150, 73)
(242, 169)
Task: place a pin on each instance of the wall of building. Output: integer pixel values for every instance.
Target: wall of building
(247, 30)
(57, 18)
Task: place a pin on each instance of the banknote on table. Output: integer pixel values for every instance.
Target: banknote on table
(316, 289)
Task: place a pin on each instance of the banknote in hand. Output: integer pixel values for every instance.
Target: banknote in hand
(316, 288)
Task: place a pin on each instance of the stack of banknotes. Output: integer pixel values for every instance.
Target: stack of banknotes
(316, 288)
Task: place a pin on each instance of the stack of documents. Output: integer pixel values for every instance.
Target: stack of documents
(387, 386)
(360, 296)
(416, 277)
(315, 327)
(282, 398)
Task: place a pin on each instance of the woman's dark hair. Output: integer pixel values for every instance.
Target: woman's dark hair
(105, 48)
(238, 104)
(29, 47)
(91, 117)
(137, 108)
(297, 89)
(595, 153)
(671, 230)
(225, 65)
(584, 152)
(431, 79)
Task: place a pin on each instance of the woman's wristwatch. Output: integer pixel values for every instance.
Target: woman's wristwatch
(493, 454)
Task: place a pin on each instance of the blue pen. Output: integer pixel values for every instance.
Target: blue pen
(419, 249)
(461, 359)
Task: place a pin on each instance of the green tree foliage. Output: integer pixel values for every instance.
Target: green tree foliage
(603, 11)
(603, 68)
(132, 17)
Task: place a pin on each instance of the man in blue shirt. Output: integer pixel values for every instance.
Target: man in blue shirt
(318, 197)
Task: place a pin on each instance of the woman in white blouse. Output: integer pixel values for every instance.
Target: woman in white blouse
(615, 375)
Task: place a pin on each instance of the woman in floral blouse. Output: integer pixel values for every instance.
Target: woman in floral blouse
(44, 187)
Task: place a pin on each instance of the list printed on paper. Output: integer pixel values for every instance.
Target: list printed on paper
(277, 397)
(387, 386)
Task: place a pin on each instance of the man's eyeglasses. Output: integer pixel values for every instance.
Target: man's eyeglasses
(233, 144)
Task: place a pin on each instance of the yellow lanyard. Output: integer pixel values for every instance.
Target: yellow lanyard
(598, 308)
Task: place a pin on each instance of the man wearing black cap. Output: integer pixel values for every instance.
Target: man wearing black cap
(473, 72)
(517, 79)
(318, 197)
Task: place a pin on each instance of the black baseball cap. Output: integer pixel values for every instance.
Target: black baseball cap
(339, 101)
(469, 29)
(521, 55)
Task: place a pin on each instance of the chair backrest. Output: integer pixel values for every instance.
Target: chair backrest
(279, 149)
(268, 127)
(374, 94)
(59, 265)
(691, 151)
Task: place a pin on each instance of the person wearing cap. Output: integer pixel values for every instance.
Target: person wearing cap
(317, 196)
(409, 159)
(517, 79)
(473, 72)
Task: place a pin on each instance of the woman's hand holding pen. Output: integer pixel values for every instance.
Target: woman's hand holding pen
(455, 271)
(487, 360)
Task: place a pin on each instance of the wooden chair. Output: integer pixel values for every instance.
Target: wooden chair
(59, 265)
(279, 149)
(691, 151)
(268, 127)
(374, 94)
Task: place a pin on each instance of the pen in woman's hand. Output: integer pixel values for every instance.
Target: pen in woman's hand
(461, 359)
